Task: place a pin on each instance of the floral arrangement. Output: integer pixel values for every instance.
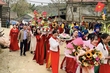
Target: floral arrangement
(84, 56)
(76, 47)
(90, 58)
(76, 50)
(45, 29)
(44, 23)
(54, 24)
(64, 36)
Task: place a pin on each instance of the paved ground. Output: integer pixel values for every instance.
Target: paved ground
(12, 62)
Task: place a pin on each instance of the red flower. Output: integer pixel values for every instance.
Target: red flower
(42, 28)
(47, 29)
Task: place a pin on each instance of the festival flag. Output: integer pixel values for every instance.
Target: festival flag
(99, 7)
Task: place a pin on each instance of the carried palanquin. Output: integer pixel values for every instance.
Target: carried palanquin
(65, 37)
(41, 21)
(45, 29)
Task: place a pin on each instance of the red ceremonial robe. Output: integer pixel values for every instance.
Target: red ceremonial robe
(105, 68)
(47, 45)
(44, 45)
(71, 64)
(55, 61)
(61, 30)
(54, 56)
(14, 39)
(48, 51)
(39, 52)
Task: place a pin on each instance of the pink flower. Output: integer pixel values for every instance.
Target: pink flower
(78, 41)
(73, 50)
(97, 59)
(70, 46)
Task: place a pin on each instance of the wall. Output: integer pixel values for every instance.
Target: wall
(82, 10)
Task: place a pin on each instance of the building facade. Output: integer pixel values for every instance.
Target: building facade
(79, 10)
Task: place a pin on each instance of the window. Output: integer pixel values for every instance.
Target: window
(75, 9)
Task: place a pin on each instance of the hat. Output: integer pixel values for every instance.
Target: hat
(85, 32)
(76, 27)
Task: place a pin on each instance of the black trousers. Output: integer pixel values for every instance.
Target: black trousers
(23, 46)
(28, 46)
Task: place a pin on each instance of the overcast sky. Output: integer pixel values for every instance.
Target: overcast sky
(37, 2)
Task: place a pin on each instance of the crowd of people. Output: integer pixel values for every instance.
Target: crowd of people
(45, 46)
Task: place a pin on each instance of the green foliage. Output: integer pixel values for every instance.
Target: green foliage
(22, 7)
(32, 7)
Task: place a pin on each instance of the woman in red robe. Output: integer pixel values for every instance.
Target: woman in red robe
(54, 49)
(14, 39)
(104, 67)
(39, 52)
(69, 64)
(48, 54)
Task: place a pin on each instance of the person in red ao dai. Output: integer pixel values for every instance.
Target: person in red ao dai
(14, 39)
(54, 49)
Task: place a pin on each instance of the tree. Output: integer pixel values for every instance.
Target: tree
(9, 2)
(21, 7)
(32, 7)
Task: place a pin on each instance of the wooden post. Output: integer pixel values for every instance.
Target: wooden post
(0, 16)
